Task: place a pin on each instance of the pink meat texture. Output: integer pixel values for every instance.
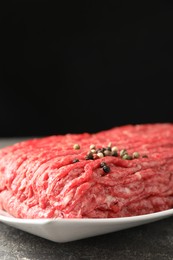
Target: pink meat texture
(120, 172)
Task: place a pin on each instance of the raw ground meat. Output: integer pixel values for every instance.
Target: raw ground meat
(51, 178)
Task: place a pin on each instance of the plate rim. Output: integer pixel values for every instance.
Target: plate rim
(160, 214)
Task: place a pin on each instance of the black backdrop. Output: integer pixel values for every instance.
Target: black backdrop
(84, 67)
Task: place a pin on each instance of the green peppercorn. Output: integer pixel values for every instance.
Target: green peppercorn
(135, 155)
(123, 152)
(76, 146)
(127, 157)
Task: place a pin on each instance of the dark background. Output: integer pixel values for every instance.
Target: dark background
(84, 67)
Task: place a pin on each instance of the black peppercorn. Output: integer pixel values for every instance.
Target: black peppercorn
(89, 156)
(106, 168)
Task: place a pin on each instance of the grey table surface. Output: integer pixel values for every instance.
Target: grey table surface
(151, 241)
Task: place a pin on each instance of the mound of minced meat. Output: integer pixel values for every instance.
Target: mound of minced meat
(124, 171)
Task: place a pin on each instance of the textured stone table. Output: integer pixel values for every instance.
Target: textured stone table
(148, 242)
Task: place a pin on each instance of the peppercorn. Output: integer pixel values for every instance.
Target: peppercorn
(92, 146)
(93, 151)
(76, 146)
(107, 152)
(106, 168)
(100, 155)
(135, 155)
(127, 157)
(114, 148)
(89, 156)
(123, 152)
(114, 153)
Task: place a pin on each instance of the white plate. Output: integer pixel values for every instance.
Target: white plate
(65, 230)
